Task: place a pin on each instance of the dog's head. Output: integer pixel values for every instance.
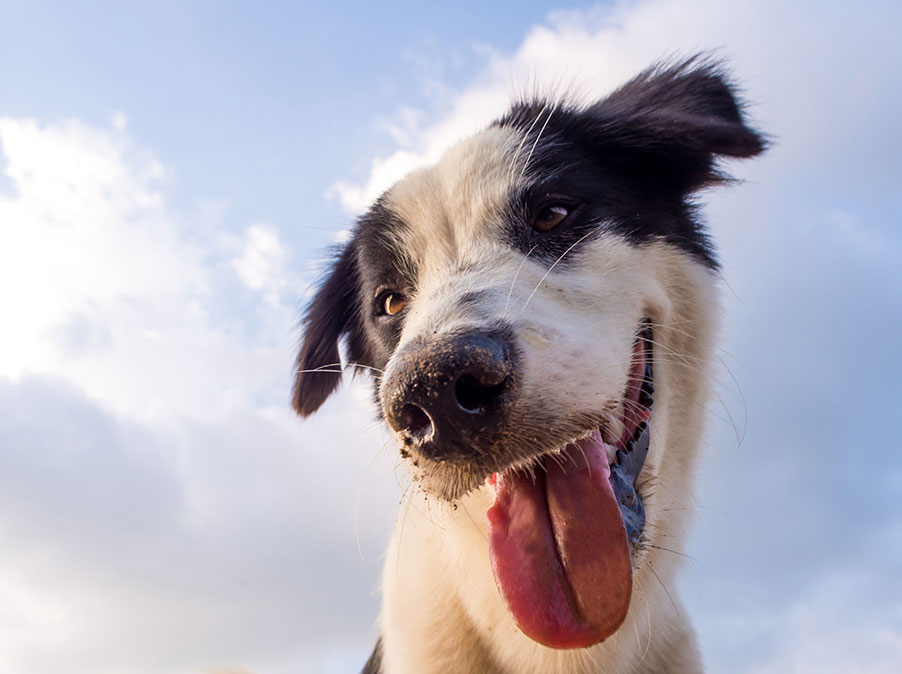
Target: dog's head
(536, 310)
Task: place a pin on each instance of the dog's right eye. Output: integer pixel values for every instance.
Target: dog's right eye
(390, 303)
(550, 216)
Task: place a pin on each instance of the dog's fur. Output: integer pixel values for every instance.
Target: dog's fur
(456, 242)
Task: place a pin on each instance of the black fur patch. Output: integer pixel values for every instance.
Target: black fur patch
(344, 309)
(629, 162)
(331, 315)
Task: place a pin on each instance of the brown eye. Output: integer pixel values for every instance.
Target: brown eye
(550, 217)
(392, 303)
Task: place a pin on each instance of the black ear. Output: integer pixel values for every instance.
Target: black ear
(331, 315)
(670, 123)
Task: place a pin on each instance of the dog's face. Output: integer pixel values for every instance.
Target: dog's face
(536, 310)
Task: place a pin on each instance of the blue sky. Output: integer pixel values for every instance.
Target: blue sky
(172, 178)
(231, 97)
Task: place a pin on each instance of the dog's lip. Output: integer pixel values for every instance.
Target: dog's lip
(537, 461)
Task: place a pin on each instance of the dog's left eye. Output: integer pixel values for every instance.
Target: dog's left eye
(391, 303)
(550, 216)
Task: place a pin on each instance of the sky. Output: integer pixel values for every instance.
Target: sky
(172, 177)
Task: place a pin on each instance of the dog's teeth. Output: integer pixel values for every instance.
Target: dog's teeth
(611, 452)
(614, 430)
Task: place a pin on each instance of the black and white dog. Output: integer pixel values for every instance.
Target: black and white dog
(539, 309)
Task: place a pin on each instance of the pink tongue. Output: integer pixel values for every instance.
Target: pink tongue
(559, 549)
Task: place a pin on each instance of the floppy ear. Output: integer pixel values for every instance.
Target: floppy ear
(670, 123)
(331, 315)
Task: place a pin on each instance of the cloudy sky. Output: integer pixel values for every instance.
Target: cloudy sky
(173, 177)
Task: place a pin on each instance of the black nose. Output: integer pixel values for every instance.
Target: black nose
(449, 397)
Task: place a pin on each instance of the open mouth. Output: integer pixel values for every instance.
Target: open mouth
(560, 533)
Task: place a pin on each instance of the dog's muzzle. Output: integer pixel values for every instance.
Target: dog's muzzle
(448, 397)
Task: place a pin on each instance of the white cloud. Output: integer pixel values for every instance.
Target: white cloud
(846, 620)
(157, 495)
(262, 265)
(88, 251)
(112, 293)
(146, 550)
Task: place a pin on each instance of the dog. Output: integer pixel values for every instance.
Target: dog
(538, 312)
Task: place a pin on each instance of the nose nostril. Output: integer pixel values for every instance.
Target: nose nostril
(473, 396)
(415, 421)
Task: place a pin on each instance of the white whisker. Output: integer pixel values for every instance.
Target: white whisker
(548, 271)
